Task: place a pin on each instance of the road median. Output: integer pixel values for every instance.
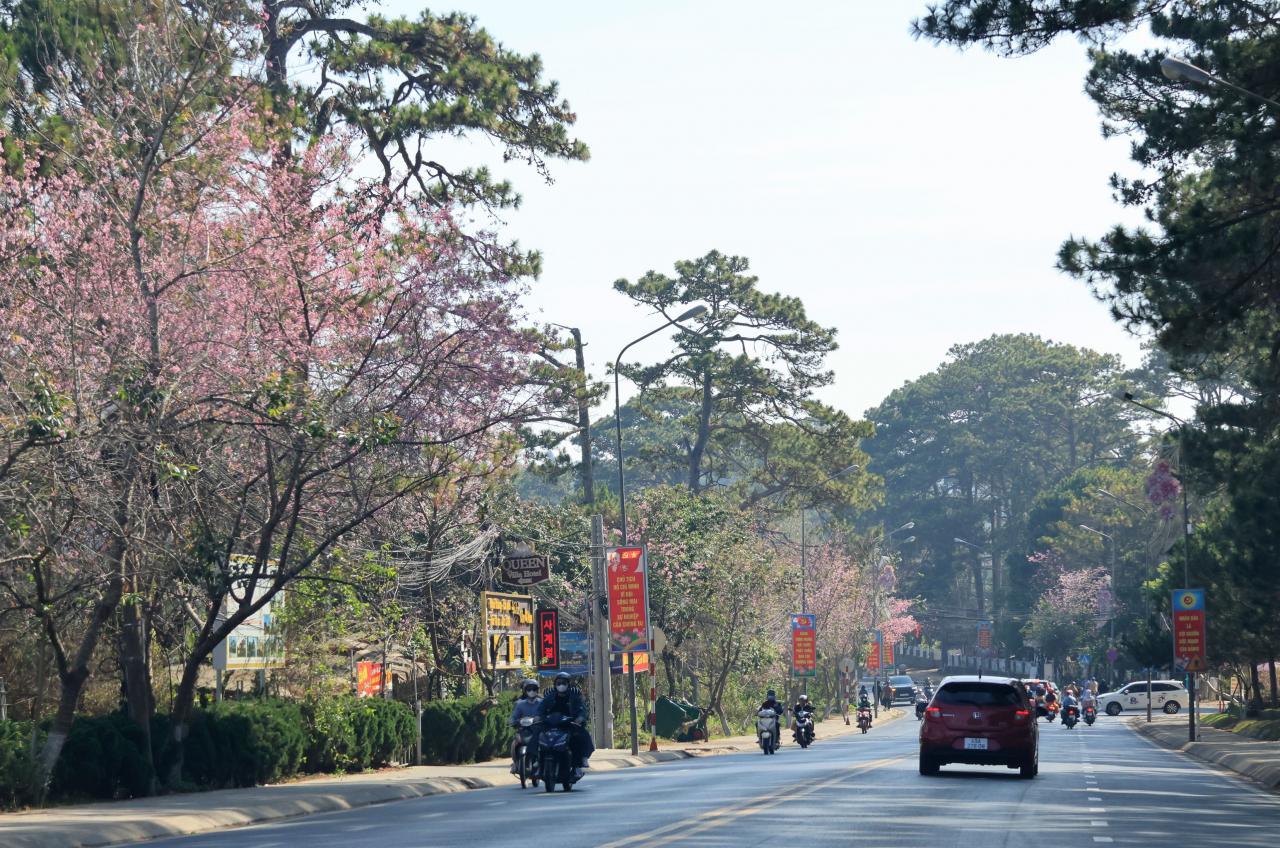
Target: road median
(140, 820)
(1255, 759)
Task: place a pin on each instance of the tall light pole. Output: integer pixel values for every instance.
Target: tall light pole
(881, 564)
(1186, 533)
(1111, 543)
(1180, 70)
(622, 504)
(617, 406)
(804, 604)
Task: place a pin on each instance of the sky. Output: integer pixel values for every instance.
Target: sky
(912, 196)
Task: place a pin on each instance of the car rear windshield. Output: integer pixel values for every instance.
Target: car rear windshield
(979, 694)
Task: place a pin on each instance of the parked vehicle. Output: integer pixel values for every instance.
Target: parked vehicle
(767, 731)
(980, 720)
(555, 754)
(529, 759)
(1167, 695)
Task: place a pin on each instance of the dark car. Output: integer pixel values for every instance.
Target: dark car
(980, 721)
(904, 688)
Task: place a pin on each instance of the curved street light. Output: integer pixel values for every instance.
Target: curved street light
(617, 405)
(1180, 70)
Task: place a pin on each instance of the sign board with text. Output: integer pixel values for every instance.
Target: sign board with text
(873, 652)
(804, 645)
(368, 679)
(575, 654)
(1189, 629)
(621, 663)
(548, 640)
(508, 628)
(525, 570)
(626, 571)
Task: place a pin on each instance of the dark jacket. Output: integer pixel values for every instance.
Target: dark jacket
(570, 705)
(773, 704)
(802, 708)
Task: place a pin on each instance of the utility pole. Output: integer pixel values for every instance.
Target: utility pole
(584, 419)
(4, 702)
(601, 688)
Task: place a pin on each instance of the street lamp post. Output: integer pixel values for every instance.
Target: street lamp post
(1186, 531)
(1180, 70)
(881, 564)
(1111, 544)
(804, 569)
(622, 501)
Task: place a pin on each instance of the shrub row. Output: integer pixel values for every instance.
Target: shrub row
(466, 730)
(232, 744)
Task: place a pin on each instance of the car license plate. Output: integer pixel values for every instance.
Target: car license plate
(971, 744)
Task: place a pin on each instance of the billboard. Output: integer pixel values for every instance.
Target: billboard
(575, 654)
(628, 586)
(508, 628)
(804, 645)
(621, 663)
(258, 641)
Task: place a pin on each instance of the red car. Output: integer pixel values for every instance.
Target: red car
(980, 720)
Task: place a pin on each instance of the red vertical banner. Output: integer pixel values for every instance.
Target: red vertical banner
(873, 652)
(628, 586)
(1189, 629)
(804, 645)
(368, 679)
(548, 623)
(888, 655)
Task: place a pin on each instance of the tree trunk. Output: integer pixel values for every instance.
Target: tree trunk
(136, 673)
(704, 435)
(1275, 696)
(180, 721)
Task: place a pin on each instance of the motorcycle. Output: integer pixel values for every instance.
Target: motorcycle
(528, 769)
(921, 704)
(555, 754)
(767, 731)
(803, 729)
(1052, 710)
(864, 719)
(1070, 716)
(1090, 715)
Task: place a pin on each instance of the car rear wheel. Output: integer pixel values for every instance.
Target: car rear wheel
(1029, 768)
(1171, 707)
(928, 765)
(1113, 709)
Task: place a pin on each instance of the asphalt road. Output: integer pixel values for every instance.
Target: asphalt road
(1103, 784)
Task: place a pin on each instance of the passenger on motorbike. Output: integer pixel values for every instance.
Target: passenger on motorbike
(566, 700)
(526, 706)
(803, 707)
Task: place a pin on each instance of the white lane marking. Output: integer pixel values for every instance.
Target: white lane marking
(1091, 798)
(1098, 823)
(1097, 809)
(1103, 839)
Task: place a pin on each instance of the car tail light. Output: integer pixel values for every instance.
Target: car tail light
(1020, 714)
(933, 712)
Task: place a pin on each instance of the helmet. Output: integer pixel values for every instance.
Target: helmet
(564, 675)
(771, 694)
(804, 697)
(529, 683)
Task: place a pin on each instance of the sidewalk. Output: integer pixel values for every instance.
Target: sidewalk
(1253, 758)
(112, 823)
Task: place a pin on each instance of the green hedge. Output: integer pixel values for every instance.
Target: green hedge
(466, 730)
(232, 744)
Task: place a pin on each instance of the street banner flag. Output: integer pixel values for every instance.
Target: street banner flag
(628, 587)
(804, 645)
(1189, 629)
(548, 639)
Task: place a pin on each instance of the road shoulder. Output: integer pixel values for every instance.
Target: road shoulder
(1257, 760)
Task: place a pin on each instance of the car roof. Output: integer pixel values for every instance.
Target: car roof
(975, 678)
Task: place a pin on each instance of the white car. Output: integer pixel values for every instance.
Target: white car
(1167, 695)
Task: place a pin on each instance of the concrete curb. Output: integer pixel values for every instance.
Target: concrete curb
(1257, 760)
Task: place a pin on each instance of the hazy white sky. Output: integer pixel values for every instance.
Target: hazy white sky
(912, 196)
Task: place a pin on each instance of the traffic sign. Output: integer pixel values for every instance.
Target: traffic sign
(848, 666)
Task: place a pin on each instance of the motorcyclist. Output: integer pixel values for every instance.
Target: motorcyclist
(526, 706)
(864, 700)
(922, 701)
(566, 700)
(1088, 699)
(803, 707)
(771, 702)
